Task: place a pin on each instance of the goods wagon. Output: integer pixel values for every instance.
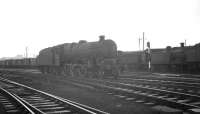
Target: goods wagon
(160, 61)
(18, 63)
(197, 51)
(192, 58)
(177, 59)
(168, 59)
(190, 54)
(2, 62)
(130, 60)
(177, 56)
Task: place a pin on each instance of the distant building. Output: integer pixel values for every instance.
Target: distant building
(16, 57)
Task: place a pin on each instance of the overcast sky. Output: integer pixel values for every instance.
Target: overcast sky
(42, 23)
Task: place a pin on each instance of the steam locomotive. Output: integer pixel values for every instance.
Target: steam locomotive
(183, 59)
(80, 59)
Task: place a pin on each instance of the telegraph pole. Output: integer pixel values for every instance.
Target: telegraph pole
(139, 43)
(185, 42)
(143, 41)
(26, 52)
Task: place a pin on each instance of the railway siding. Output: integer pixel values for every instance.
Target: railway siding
(146, 95)
(45, 103)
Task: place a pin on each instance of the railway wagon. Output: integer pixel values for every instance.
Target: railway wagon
(192, 58)
(197, 51)
(130, 61)
(77, 58)
(2, 62)
(185, 59)
(170, 59)
(18, 63)
(160, 61)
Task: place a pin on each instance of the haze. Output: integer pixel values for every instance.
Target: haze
(43, 23)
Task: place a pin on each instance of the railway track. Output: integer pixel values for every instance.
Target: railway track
(164, 77)
(145, 94)
(178, 84)
(191, 76)
(11, 104)
(38, 102)
(181, 95)
(184, 87)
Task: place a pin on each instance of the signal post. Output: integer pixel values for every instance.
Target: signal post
(148, 56)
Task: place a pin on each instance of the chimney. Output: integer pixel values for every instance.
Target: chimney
(182, 44)
(101, 38)
(168, 48)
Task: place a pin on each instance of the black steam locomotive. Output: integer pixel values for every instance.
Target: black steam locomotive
(80, 59)
(183, 59)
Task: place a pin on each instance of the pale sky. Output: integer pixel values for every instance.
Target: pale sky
(43, 23)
